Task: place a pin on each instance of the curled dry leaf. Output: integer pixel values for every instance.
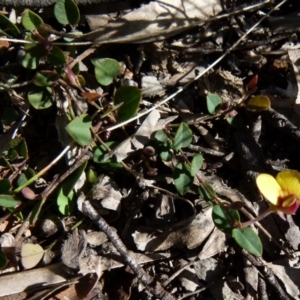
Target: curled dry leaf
(73, 249)
(107, 191)
(190, 236)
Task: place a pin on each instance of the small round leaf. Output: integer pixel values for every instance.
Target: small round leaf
(8, 27)
(183, 137)
(224, 219)
(248, 240)
(182, 178)
(258, 103)
(130, 97)
(207, 193)
(32, 58)
(79, 129)
(31, 20)
(9, 115)
(31, 254)
(66, 12)
(106, 70)
(56, 57)
(197, 163)
(40, 97)
(161, 136)
(5, 186)
(212, 102)
(45, 78)
(8, 201)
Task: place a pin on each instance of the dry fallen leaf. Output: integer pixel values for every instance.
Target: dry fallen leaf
(73, 249)
(215, 244)
(190, 236)
(31, 254)
(141, 137)
(156, 21)
(17, 282)
(151, 87)
(294, 56)
(107, 191)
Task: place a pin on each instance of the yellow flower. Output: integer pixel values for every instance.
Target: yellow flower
(283, 193)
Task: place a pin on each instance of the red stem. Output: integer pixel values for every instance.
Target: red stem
(258, 218)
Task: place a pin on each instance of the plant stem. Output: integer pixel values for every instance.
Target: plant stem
(258, 218)
(39, 174)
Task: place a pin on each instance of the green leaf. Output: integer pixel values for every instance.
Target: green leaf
(212, 102)
(183, 137)
(4, 163)
(197, 163)
(5, 186)
(24, 177)
(163, 146)
(45, 78)
(8, 201)
(225, 219)
(248, 240)
(161, 136)
(79, 129)
(207, 193)
(9, 115)
(99, 154)
(3, 260)
(66, 12)
(182, 178)
(165, 154)
(12, 154)
(130, 97)
(19, 145)
(33, 56)
(66, 198)
(106, 70)
(31, 20)
(40, 97)
(8, 27)
(56, 57)
(91, 176)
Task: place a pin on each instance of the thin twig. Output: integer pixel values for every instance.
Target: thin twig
(145, 112)
(155, 288)
(268, 275)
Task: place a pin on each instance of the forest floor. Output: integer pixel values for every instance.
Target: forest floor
(136, 157)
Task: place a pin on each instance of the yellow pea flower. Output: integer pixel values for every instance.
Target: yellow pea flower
(282, 192)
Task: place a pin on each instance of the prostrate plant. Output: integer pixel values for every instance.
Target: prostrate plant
(50, 71)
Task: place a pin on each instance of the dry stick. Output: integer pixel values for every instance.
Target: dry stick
(15, 86)
(268, 275)
(83, 55)
(155, 288)
(262, 289)
(199, 75)
(80, 160)
(197, 149)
